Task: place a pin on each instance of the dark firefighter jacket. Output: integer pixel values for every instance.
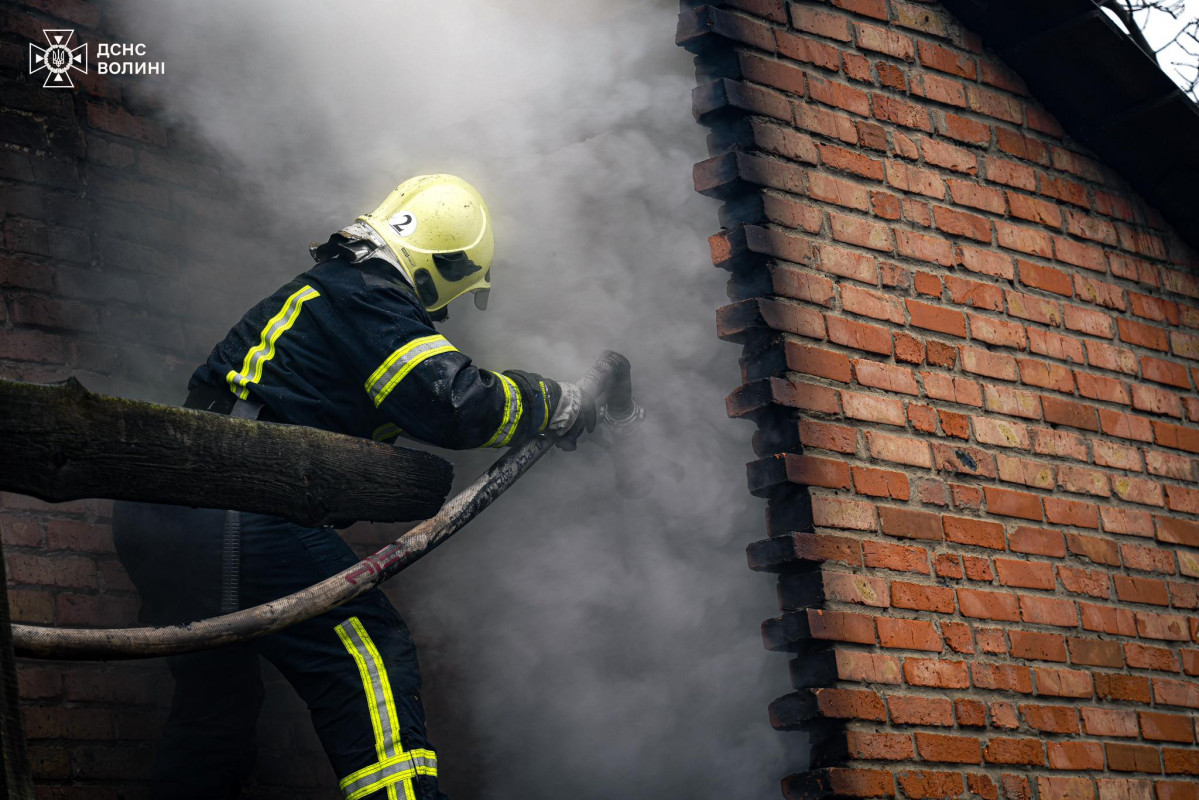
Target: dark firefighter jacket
(348, 348)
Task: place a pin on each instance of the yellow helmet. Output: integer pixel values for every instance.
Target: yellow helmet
(439, 230)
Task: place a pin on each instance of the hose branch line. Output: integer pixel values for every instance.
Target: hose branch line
(608, 381)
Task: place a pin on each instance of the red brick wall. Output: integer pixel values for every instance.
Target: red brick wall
(971, 353)
(115, 268)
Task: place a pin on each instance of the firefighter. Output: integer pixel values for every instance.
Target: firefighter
(350, 347)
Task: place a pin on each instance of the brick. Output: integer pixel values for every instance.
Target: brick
(944, 59)
(1001, 750)
(854, 162)
(880, 483)
(1168, 627)
(1140, 656)
(907, 710)
(885, 40)
(1114, 359)
(871, 304)
(1007, 503)
(1063, 682)
(1071, 512)
(873, 408)
(1121, 687)
(1176, 761)
(950, 157)
(921, 247)
(1161, 727)
(1125, 426)
(1050, 719)
(1025, 574)
(1132, 758)
(1046, 375)
(982, 197)
(867, 667)
(970, 713)
(901, 112)
(910, 523)
(1002, 433)
(1148, 559)
(909, 634)
(978, 604)
(1024, 239)
(987, 262)
(974, 294)
(930, 785)
(840, 626)
(1115, 455)
(1001, 677)
(1078, 756)
(1089, 321)
(1037, 646)
(1132, 589)
(880, 746)
(845, 587)
(818, 361)
(850, 704)
(976, 532)
(1037, 541)
(899, 449)
(1080, 480)
(1049, 611)
(988, 363)
(920, 597)
(838, 95)
(937, 318)
(1101, 387)
(900, 558)
(1109, 722)
(1079, 580)
(936, 673)
(950, 749)
(848, 264)
(1012, 402)
(1034, 209)
(1096, 653)
(1001, 333)
(859, 335)
(834, 512)
(1167, 372)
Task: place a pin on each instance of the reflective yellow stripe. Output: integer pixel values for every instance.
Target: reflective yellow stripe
(388, 772)
(394, 765)
(513, 409)
(397, 366)
(545, 401)
(387, 431)
(264, 351)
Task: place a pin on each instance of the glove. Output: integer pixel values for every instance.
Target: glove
(575, 413)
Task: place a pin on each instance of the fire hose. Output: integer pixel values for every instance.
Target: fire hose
(608, 381)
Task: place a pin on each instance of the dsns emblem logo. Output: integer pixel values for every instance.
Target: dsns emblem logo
(58, 59)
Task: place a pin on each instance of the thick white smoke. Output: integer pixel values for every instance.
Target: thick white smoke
(585, 645)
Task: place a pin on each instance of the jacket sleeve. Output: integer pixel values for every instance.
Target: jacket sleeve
(427, 387)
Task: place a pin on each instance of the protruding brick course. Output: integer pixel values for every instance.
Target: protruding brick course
(998, 433)
(109, 220)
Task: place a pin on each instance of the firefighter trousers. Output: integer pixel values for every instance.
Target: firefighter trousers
(354, 666)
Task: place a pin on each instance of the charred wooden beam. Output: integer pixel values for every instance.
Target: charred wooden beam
(63, 442)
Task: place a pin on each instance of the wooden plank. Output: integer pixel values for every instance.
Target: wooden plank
(63, 442)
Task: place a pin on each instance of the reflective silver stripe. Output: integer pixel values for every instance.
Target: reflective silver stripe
(385, 773)
(257, 357)
(401, 362)
(512, 413)
(370, 667)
